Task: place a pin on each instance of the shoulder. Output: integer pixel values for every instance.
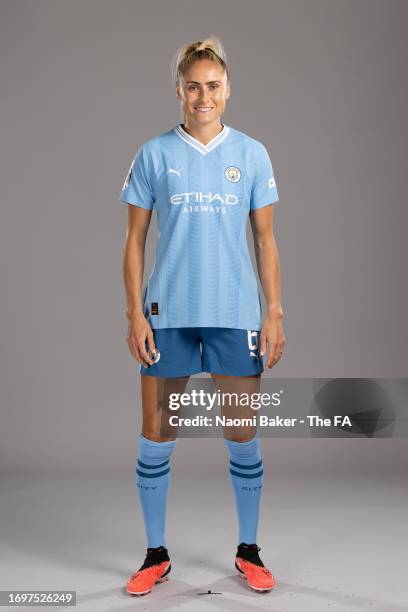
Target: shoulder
(148, 146)
(254, 146)
(151, 148)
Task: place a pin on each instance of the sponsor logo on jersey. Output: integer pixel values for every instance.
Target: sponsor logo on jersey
(233, 174)
(271, 183)
(204, 208)
(199, 202)
(198, 197)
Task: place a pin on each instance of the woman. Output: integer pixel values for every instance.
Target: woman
(200, 310)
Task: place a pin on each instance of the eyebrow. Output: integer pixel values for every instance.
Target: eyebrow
(208, 82)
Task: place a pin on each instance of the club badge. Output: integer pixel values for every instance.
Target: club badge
(233, 174)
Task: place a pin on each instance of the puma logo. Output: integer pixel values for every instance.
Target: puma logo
(174, 171)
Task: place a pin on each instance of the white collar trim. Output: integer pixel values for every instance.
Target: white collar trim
(199, 146)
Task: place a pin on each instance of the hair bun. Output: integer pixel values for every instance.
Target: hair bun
(189, 52)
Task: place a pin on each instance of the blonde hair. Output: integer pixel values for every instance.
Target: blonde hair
(210, 48)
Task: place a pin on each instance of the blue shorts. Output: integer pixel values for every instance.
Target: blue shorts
(183, 351)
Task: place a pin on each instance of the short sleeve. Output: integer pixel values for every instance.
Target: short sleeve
(137, 188)
(264, 190)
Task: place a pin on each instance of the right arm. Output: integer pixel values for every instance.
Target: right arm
(139, 330)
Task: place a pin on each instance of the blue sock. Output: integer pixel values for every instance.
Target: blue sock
(246, 471)
(152, 480)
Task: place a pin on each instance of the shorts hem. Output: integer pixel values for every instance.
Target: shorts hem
(172, 375)
(235, 374)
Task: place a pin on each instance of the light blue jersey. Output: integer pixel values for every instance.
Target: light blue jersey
(203, 274)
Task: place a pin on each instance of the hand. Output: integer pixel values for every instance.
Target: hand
(139, 331)
(272, 333)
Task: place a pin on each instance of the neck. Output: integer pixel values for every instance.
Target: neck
(203, 133)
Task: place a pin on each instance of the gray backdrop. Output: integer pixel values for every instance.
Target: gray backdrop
(321, 83)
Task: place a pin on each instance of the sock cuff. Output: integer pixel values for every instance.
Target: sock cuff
(244, 449)
(149, 449)
(153, 444)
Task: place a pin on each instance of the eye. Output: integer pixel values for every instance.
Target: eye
(191, 87)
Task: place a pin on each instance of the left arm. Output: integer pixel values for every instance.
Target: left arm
(267, 260)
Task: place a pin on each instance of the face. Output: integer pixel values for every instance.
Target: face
(203, 92)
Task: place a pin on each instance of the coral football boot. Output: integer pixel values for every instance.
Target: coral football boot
(154, 570)
(251, 568)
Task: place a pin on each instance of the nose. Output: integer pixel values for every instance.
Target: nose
(204, 101)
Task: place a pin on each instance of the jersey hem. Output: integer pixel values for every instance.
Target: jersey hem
(246, 328)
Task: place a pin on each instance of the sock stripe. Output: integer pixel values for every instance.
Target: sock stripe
(246, 475)
(152, 467)
(146, 475)
(246, 467)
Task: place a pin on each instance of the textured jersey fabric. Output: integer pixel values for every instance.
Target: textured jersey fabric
(203, 274)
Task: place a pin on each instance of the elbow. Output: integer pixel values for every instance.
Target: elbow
(264, 243)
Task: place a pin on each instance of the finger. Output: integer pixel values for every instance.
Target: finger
(138, 357)
(270, 354)
(273, 356)
(133, 347)
(281, 349)
(145, 357)
(263, 345)
(150, 342)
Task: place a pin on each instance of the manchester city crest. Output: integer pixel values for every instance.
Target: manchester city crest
(233, 174)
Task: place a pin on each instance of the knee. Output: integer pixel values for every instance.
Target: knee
(242, 434)
(154, 437)
(244, 449)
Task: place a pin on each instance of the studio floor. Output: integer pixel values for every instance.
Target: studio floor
(334, 544)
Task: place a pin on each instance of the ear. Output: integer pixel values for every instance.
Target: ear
(227, 95)
(178, 96)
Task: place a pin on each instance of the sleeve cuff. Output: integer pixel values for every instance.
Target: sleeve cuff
(139, 204)
(268, 202)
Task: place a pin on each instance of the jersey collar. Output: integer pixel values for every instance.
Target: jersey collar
(199, 146)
